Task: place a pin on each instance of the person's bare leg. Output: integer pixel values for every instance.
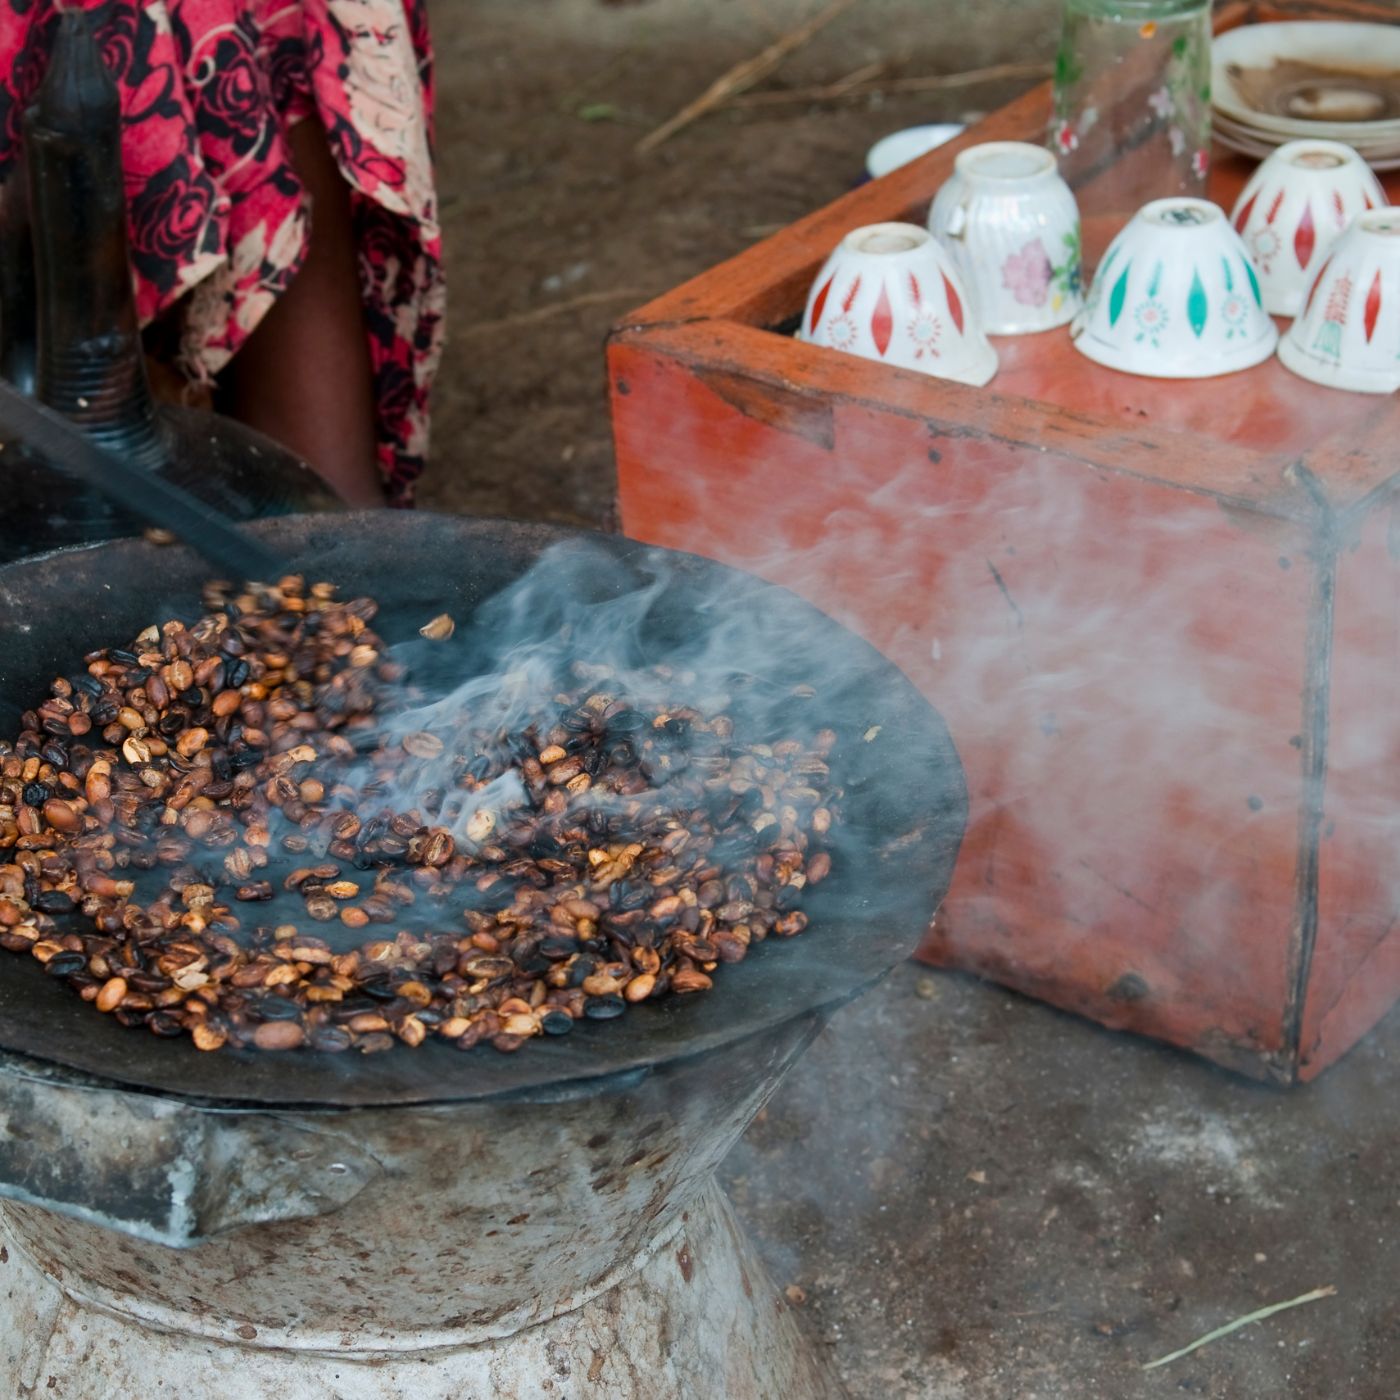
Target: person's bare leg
(304, 377)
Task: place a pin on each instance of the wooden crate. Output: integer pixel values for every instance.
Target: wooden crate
(1160, 618)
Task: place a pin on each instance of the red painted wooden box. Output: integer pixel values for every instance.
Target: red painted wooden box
(1160, 618)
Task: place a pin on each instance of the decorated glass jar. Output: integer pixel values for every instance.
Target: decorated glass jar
(1131, 118)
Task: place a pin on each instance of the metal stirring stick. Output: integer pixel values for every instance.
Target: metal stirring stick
(235, 554)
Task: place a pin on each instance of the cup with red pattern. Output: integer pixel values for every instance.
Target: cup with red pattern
(1294, 208)
(889, 293)
(1347, 333)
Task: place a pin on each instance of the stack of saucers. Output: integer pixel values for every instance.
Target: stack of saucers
(1275, 83)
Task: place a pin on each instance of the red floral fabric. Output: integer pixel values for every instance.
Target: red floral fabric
(217, 215)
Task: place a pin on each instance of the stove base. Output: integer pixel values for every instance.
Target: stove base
(701, 1319)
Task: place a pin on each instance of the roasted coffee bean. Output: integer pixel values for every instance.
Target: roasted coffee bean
(53, 902)
(163, 1023)
(278, 1035)
(36, 794)
(65, 964)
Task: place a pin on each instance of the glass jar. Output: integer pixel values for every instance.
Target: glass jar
(1131, 120)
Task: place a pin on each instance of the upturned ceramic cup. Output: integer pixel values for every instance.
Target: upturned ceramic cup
(1348, 333)
(1294, 208)
(888, 292)
(1011, 226)
(1176, 297)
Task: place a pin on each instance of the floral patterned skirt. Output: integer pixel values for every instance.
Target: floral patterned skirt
(218, 218)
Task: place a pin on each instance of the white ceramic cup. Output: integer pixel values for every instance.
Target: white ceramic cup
(888, 292)
(1011, 226)
(1294, 208)
(1348, 334)
(1176, 297)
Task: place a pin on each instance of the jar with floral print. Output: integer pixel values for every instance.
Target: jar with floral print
(1131, 119)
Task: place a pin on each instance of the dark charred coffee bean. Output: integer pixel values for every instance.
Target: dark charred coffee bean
(36, 794)
(53, 902)
(127, 658)
(353, 1006)
(582, 969)
(556, 1023)
(604, 1008)
(555, 948)
(146, 981)
(89, 685)
(130, 1018)
(275, 1008)
(236, 674)
(627, 722)
(380, 991)
(331, 1039)
(65, 964)
(163, 1023)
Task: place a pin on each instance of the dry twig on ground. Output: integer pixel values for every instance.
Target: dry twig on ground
(859, 84)
(1258, 1316)
(744, 75)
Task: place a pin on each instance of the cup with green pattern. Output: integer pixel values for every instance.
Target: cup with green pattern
(1176, 297)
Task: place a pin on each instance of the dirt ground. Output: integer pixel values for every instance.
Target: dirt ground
(555, 227)
(1023, 1207)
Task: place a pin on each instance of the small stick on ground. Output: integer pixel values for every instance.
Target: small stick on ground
(1315, 1296)
(744, 75)
(854, 86)
(558, 308)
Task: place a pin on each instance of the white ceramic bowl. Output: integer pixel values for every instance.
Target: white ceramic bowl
(1347, 334)
(1294, 208)
(1011, 226)
(888, 292)
(900, 147)
(1176, 297)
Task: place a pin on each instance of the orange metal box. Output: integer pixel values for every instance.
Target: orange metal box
(1161, 619)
